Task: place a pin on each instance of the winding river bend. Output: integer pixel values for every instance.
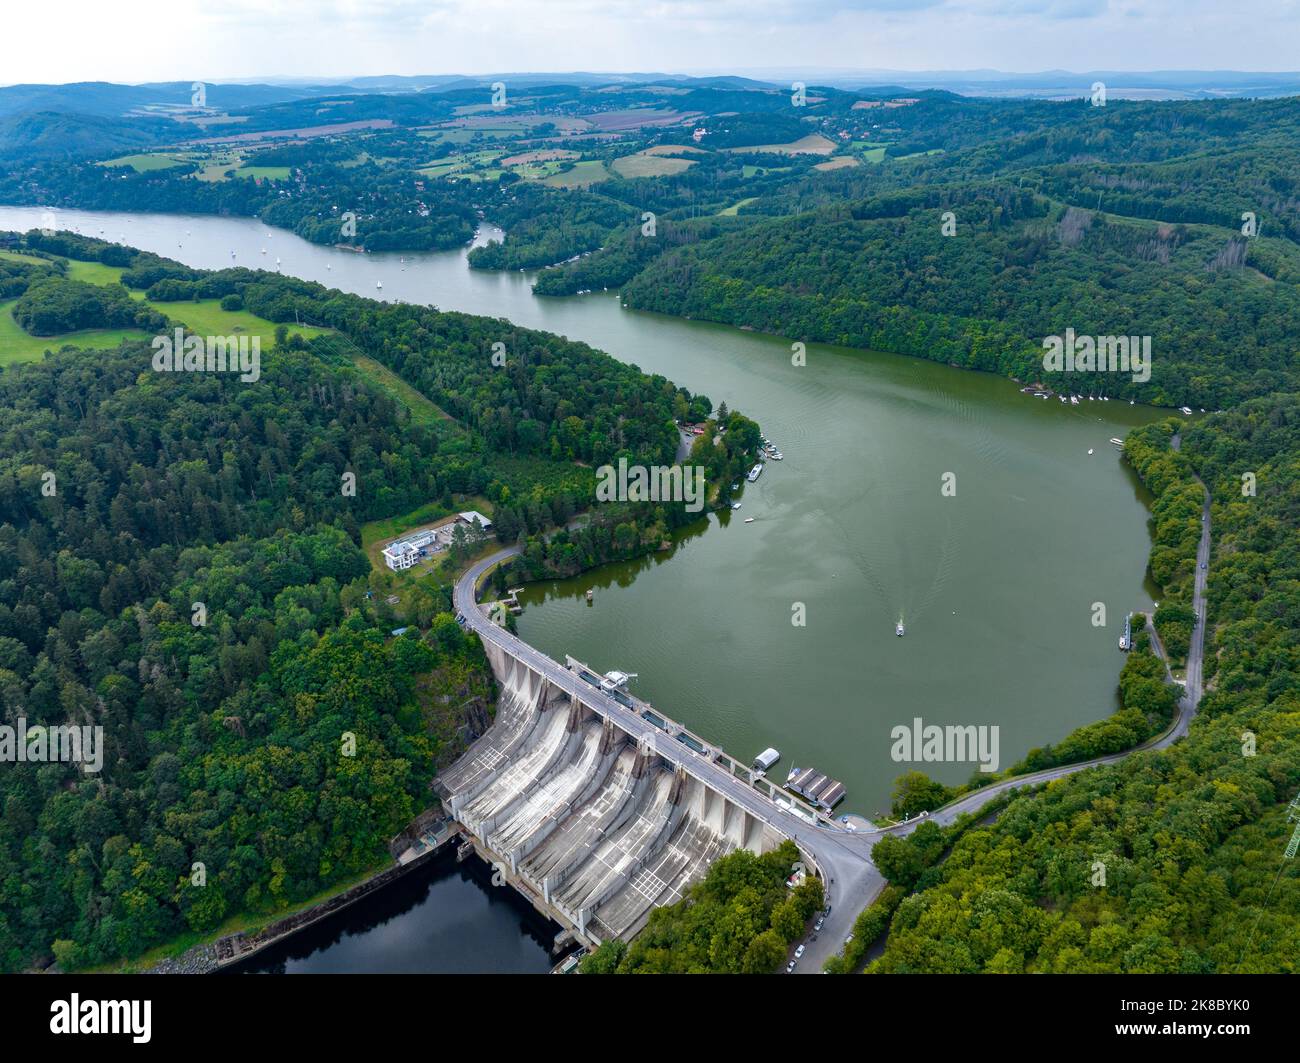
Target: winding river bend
(996, 583)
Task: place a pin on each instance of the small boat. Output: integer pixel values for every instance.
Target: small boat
(264, 250)
(749, 520)
(1090, 450)
(755, 472)
(1117, 441)
(590, 594)
(735, 505)
(899, 630)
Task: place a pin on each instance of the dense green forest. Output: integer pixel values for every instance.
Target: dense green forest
(883, 274)
(181, 566)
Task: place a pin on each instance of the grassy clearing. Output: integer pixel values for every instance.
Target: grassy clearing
(734, 209)
(93, 272)
(673, 149)
(643, 165)
(146, 162)
(15, 256)
(17, 346)
(422, 409)
(582, 175)
(264, 173)
(840, 162)
(813, 144)
(204, 316)
(544, 155)
(208, 319)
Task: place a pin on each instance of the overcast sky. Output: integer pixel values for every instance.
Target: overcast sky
(162, 40)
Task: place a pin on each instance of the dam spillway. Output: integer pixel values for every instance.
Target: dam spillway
(594, 825)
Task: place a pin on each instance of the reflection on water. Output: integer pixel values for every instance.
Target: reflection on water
(442, 918)
(995, 582)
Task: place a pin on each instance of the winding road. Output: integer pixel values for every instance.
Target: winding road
(843, 856)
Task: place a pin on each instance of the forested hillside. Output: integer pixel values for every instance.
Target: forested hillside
(180, 564)
(883, 274)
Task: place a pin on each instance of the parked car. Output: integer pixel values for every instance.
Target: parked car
(848, 939)
(818, 925)
(789, 967)
(798, 952)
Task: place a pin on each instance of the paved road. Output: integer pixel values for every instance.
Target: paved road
(852, 881)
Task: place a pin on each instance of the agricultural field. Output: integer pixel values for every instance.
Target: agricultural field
(840, 162)
(463, 165)
(813, 144)
(144, 163)
(643, 164)
(543, 155)
(638, 117)
(673, 149)
(263, 173)
(582, 175)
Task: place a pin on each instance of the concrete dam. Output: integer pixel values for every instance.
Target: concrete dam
(592, 822)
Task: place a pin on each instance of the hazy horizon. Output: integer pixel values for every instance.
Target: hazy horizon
(338, 40)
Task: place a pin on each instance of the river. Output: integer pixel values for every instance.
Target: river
(997, 582)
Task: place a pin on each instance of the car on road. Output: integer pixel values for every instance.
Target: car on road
(1204, 565)
(798, 952)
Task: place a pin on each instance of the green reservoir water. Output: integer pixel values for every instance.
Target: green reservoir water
(996, 584)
